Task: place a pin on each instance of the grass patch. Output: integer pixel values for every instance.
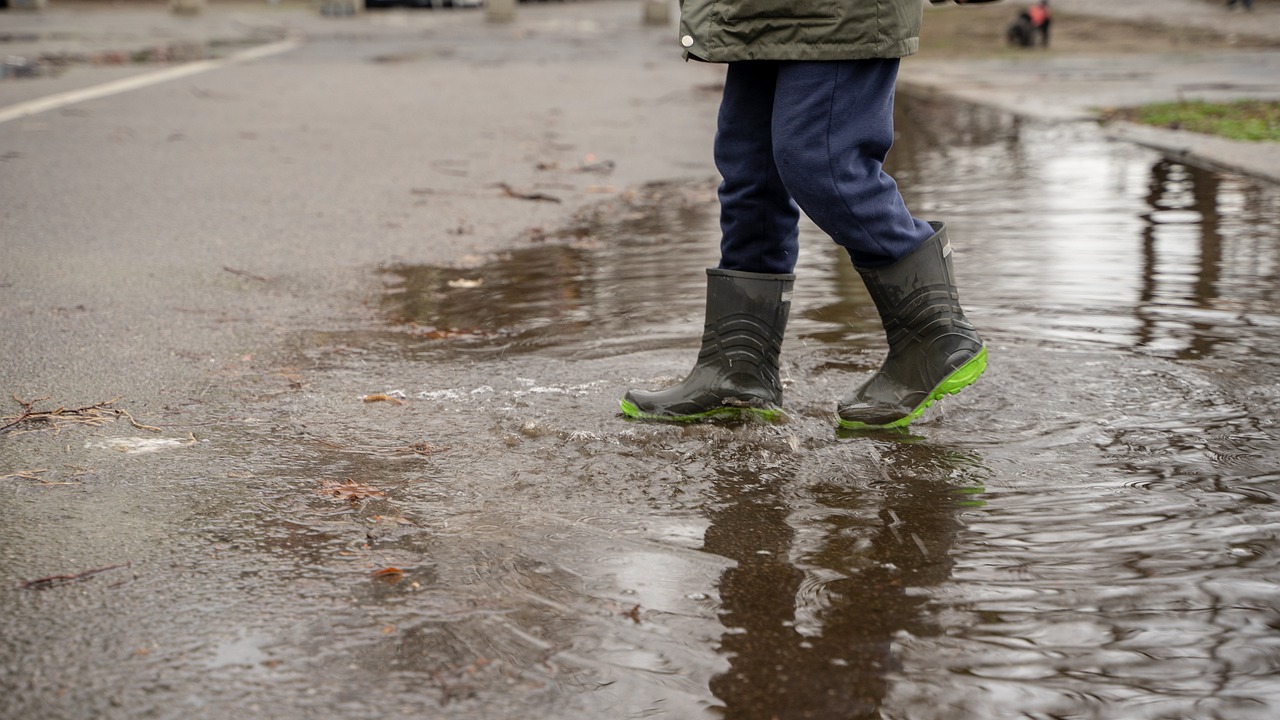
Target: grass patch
(1257, 120)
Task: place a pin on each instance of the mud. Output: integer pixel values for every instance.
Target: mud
(1088, 532)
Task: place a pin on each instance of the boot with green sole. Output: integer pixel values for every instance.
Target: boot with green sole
(736, 372)
(934, 350)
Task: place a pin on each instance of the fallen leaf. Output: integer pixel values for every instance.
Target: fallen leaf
(350, 490)
(380, 397)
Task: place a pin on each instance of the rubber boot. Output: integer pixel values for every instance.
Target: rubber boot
(737, 369)
(934, 350)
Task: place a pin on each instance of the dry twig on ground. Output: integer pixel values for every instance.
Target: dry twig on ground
(92, 415)
(535, 196)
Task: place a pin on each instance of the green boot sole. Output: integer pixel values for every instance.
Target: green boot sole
(961, 378)
(767, 414)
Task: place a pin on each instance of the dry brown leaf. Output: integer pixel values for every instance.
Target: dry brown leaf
(349, 490)
(380, 397)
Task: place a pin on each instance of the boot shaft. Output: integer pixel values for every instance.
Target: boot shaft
(746, 317)
(737, 368)
(916, 297)
(934, 350)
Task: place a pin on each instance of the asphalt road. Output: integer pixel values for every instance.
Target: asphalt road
(178, 245)
(154, 234)
(168, 247)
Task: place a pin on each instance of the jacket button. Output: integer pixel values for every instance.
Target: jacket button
(687, 41)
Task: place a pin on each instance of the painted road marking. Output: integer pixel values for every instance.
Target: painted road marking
(53, 102)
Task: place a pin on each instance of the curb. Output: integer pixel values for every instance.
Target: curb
(1260, 160)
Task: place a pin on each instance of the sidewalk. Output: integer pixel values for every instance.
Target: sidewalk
(1076, 87)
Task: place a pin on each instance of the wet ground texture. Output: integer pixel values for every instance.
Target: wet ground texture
(439, 512)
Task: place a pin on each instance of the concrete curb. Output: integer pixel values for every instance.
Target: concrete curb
(1260, 160)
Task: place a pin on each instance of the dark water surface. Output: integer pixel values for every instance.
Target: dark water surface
(1089, 532)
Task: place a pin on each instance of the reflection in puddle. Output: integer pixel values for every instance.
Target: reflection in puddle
(829, 576)
(623, 264)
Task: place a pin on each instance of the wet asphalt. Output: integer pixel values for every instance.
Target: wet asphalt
(369, 304)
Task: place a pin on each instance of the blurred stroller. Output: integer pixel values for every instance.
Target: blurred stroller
(1031, 22)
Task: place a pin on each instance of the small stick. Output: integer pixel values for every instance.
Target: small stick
(137, 424)
(26, 410)
(246, 273)
(25, 474)
(537, 197)
(55, 579)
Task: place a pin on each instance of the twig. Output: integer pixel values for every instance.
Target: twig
(135, 423)
(25, 474)
(537, 197)
(246, 273)
(96, 414)
(60, 579)
(26, 411)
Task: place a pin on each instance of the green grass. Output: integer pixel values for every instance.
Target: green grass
(1239, 120)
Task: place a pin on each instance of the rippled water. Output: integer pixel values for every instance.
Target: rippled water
(1089, 532)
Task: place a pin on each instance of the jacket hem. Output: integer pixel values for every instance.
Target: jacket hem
(805, 52)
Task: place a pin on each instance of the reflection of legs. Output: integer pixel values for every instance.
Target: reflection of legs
(757, 596)
(821, 583)
(758, 218)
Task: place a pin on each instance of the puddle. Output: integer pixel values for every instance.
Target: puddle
(1089, 532)
(1093, 525)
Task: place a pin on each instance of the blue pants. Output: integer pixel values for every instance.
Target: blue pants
(811, 136)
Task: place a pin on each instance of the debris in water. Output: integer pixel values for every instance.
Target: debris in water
(604, 167)
(54, 580)
(350, 490)
(389, 574)
(246, 274)
(466, 283)
(537, 197)
(434, 333)
(382, 397)
(424, 449)
(139, 445)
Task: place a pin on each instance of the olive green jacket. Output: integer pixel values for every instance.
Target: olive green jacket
(733, 30)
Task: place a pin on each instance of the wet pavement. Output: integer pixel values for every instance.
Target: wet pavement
(1088, 532)
(431, 508)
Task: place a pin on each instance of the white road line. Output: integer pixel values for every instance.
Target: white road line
(53, 102)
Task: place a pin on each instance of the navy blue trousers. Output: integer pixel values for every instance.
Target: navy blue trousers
(811, 136)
